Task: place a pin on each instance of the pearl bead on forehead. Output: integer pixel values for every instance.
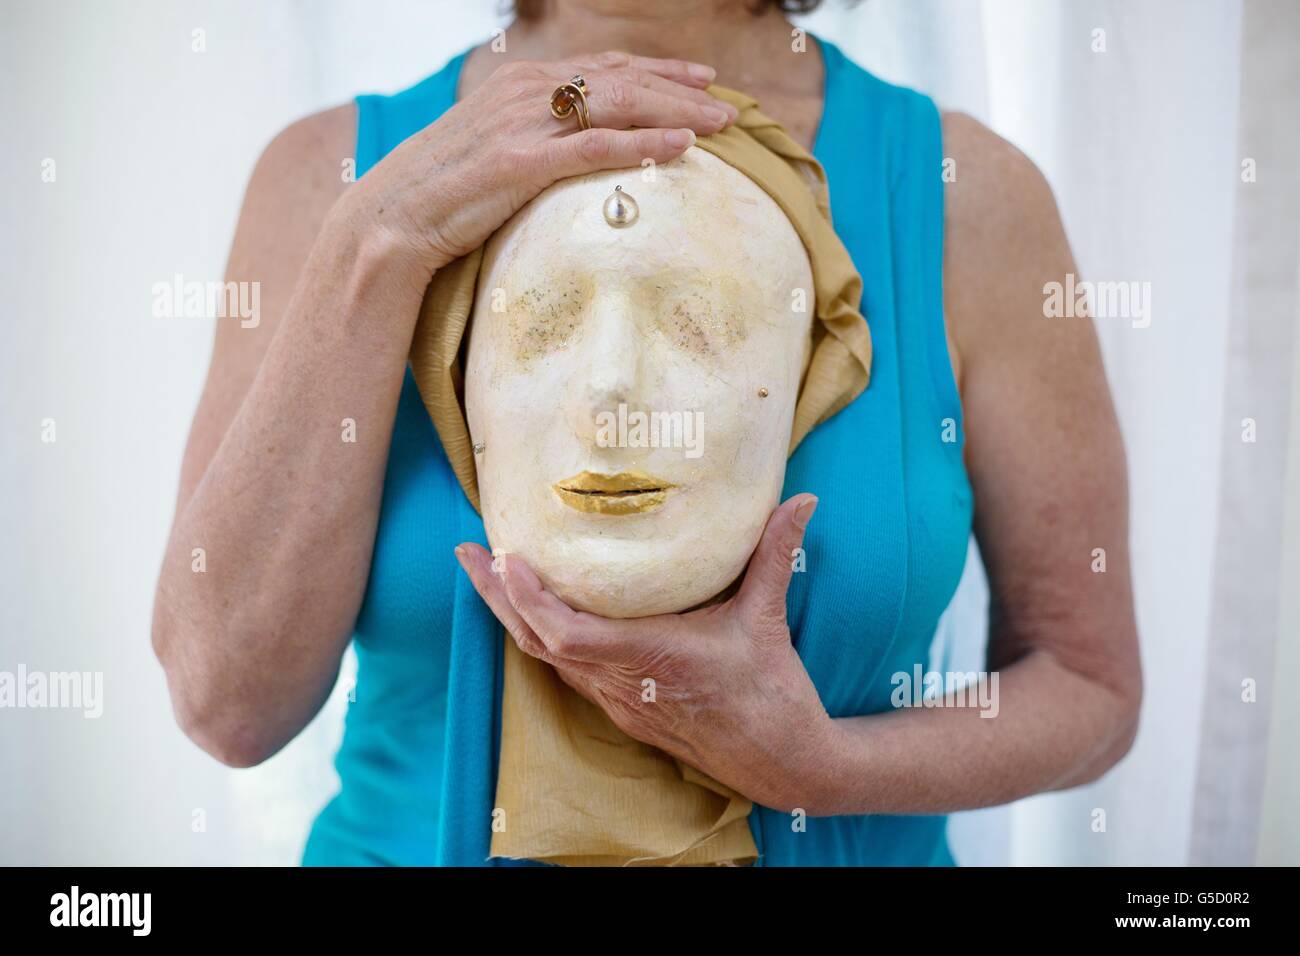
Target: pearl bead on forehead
(620, 209)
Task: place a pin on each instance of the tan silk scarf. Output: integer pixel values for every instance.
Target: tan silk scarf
(574, 789)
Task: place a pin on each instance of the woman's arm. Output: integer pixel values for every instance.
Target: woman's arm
(282, 502)
(1047, 468)
(1046, 463)
(283, 508)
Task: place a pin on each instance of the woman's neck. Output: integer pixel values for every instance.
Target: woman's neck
(754, 53)
(725, 34)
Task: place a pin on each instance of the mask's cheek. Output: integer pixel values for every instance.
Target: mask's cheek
(529, 419)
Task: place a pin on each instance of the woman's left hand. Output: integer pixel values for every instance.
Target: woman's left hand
(730, 695)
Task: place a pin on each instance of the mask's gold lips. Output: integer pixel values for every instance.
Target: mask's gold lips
(627, 493)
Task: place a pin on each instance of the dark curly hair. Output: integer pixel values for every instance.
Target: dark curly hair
(532, 9)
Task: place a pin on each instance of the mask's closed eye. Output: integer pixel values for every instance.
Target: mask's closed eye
(703, 317)
(544, 318)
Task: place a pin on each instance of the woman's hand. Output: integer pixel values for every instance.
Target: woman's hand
(731, 696)
(450, 186)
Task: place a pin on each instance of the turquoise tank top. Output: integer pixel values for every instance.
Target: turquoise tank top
(884, 553)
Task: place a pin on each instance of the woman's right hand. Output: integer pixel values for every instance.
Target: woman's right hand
(446, 189)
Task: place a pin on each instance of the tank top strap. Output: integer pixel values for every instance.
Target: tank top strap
(882, 147)
(384, 121)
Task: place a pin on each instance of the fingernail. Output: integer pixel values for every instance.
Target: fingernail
(717, 117)
(699, 71)
(731, 111)
(679, 138)
(803, 514)
(460, 551)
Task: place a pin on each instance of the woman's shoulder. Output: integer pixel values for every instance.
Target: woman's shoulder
(312, 142)
(304, 169)
(1003, 237)
(971, 144)
(994, 194)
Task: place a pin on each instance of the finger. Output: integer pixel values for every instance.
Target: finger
(696, 75)
(669, 88)
(618, 101)
(490, 585)
(572, 637)
(768, 577)
(594, 149)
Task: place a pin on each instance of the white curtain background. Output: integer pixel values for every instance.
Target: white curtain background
(1140, 114)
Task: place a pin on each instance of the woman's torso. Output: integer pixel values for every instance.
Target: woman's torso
(418, 759)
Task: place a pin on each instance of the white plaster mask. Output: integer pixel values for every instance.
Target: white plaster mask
(630, 388)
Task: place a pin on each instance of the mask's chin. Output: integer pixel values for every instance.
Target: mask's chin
(624, 579)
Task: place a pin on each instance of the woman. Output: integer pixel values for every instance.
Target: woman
(309, 538)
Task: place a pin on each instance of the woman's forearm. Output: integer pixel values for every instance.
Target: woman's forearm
(251, 628)
(1053, 729)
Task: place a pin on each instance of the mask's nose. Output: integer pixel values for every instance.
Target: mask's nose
(610, 365)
